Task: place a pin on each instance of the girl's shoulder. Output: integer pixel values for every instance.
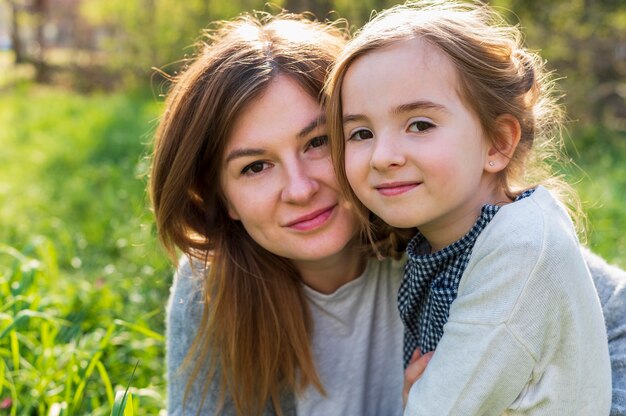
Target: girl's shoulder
(528, 243)
(536, 221)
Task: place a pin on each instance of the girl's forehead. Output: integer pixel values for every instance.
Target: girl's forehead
(414, 57)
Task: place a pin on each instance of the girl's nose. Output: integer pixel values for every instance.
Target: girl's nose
(300, 186)
(386, 154)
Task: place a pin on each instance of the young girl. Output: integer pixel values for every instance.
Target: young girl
(436, 112)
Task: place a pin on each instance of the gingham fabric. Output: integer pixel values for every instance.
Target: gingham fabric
(431, 281)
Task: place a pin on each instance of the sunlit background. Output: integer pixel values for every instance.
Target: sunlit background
(83, 281)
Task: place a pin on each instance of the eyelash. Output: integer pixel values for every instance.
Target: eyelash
(323, 138)
(247, 170)
(428, 125)
(353, 135)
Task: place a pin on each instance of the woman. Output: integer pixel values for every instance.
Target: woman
(301, 318)
(242, 179)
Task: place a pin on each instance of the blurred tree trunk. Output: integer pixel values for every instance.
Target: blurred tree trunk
(42, 70)
(320, 8)
(16, 40)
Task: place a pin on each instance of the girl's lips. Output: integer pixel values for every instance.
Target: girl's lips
(311, 221)
(393, 189)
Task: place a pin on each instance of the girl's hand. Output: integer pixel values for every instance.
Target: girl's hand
(414, 371)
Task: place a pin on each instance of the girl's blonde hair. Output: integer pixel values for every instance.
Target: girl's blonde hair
(256, 327)
(497, 75)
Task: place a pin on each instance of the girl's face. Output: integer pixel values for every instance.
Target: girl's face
(278, 178)
(415, 153)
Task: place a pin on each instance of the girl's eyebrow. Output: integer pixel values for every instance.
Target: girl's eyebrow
(418, 105)
(347, 118)
(400, 109)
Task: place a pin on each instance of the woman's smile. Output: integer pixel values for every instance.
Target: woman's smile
(313, 220)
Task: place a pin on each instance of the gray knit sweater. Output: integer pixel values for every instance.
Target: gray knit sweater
(185, 310)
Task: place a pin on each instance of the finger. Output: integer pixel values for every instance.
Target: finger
(415, 369)
(413, 372)
(416, 355)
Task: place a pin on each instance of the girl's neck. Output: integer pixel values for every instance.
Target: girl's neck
(448, 229)
(329, 274)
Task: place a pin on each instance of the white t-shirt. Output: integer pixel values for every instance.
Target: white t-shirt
(357, 346)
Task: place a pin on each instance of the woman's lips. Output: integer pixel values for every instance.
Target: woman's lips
(396, 188)
(313, 220)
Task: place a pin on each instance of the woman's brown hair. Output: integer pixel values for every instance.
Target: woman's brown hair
(497, 75)
(256, 327)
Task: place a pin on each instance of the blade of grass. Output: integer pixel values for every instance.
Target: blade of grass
(15, 350)
(120, 399)
(107, 382)
(141, 329)
(2, 370)
(92, 364)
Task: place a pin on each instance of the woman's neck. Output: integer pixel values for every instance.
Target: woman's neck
(329, 274)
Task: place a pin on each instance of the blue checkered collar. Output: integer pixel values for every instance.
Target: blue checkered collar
(418, 249)
(431, 282)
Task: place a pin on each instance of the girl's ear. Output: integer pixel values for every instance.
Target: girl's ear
(501, 151)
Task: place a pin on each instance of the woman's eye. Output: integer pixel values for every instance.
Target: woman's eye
(253, 168)
(420, 125)
(318, 141)
(362, 134)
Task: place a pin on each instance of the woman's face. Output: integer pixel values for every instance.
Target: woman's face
(278, 178)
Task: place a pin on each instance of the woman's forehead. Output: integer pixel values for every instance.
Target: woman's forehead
(284, 110)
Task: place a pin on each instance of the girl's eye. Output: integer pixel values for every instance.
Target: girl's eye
(420, 125)
(254, 167)
(362, 134)
(318, 141)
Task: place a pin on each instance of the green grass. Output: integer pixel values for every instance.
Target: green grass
(83, 282)
(82, 279)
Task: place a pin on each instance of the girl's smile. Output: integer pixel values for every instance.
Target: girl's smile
(396, 188)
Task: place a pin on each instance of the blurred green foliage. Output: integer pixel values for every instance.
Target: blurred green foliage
(598, 172)
(582, 40)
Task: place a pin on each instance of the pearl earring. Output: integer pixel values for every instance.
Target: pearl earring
(492, 163)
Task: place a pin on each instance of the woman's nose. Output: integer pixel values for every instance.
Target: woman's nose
(299, 186)
(386, 154)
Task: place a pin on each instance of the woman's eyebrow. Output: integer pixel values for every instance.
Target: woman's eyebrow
(318, 121)
(251, 151)
(244, 153)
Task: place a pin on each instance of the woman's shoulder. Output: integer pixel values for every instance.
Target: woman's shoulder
(610, 282)
(186, 293)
